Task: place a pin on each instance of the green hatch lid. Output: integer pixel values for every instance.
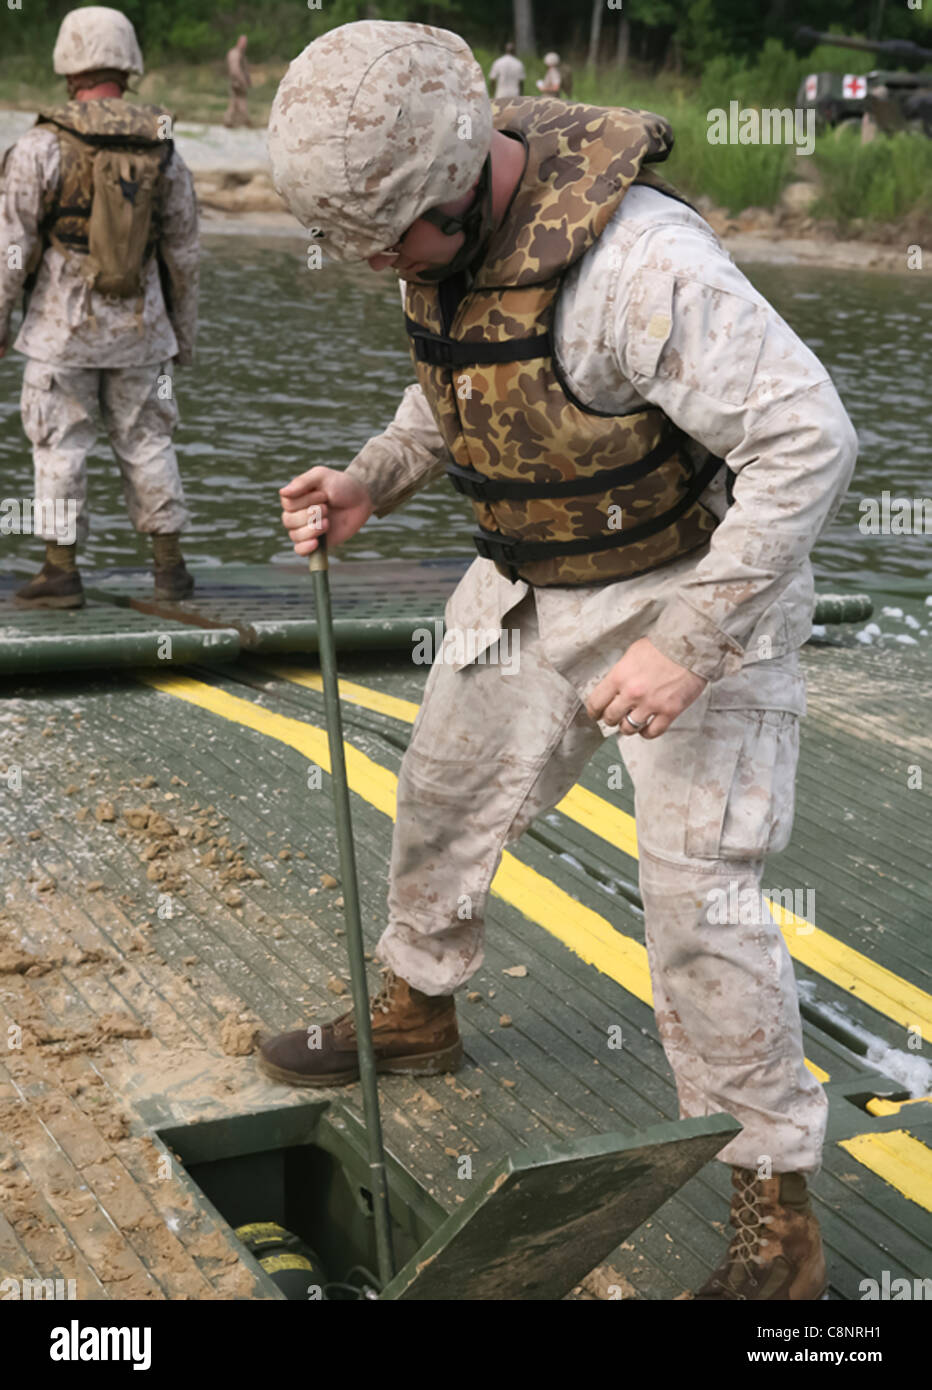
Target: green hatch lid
(544, 1219)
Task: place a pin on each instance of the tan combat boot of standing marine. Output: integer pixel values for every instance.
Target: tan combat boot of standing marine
(411, 1032)
(172, 578)
(776, 1252)
(58, 583)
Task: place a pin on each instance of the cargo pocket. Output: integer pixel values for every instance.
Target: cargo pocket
(741, 800)
(35, 403)
(742, 791)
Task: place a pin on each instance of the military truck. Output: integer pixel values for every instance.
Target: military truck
(895, 99)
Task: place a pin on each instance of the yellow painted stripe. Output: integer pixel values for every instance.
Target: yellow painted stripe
(855, 973)
(602, 818)
(353, 694)
(818, 950)
(586, 933)
(900, 1159)
(372, 781)
(877, 1106)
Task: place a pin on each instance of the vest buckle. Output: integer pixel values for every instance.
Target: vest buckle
(492, 545)
(468, 482)
(435, 352)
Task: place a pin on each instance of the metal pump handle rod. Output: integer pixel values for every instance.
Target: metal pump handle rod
(318, 566)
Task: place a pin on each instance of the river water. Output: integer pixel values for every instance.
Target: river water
(299, 367)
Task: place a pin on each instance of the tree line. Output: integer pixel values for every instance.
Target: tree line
(682, 35)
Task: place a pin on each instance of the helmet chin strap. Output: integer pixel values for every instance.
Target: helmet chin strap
(475, 224)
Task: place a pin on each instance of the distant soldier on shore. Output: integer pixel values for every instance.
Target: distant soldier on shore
(507, 72)
(557, 81)
(98, 225)
(240, 82)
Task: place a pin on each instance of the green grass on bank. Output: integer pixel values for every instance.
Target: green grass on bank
(195, 92)
(887, 180)
(733, 176)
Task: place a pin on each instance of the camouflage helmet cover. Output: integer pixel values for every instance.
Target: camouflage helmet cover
(96, 37)
(374, 123)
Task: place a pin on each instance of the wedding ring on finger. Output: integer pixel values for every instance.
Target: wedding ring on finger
(635, 725)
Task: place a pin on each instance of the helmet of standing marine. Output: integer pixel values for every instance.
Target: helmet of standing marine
(96, 38)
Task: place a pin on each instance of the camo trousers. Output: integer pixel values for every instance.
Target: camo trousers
(237, 113)
(60, 407)
(490, 751)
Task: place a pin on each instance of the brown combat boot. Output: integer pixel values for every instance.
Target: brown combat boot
(411, 1032)
(776, 1251)
(55, 586)
(172, 578)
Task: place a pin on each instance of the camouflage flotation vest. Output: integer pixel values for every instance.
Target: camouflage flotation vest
(109, 201)
(563, 494)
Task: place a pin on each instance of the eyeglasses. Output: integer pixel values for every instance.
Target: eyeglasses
(448, 223)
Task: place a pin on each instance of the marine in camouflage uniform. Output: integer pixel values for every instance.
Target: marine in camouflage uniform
(93, 353)
(593, 351)
(237, 113)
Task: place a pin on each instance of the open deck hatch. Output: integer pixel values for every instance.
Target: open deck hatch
(536, 1225)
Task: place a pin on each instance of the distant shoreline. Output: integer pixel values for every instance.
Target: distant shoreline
(746, 247)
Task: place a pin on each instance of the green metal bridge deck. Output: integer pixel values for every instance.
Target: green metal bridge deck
(138, 951)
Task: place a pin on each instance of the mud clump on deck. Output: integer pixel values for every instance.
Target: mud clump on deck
(238, 1035)
(66, 1042)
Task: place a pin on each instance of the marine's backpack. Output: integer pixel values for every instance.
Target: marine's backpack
(109, 202)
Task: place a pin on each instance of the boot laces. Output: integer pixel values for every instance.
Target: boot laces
(380, 1002)
(383, 1000)
(748, 1217)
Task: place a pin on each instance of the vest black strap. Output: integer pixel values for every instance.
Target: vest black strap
(114, 139)
(73, 239)
(482, 489)
(437, 351)
(492, 545)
